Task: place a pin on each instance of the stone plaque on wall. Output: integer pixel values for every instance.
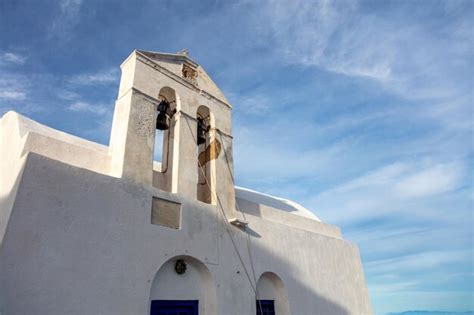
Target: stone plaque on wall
(166, 213)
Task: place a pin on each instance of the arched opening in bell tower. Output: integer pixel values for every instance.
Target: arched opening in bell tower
(206, 155)
(165, 138)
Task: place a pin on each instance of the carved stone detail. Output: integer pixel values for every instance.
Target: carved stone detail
(189, 73)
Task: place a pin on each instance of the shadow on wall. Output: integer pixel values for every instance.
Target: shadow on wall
(274, 278)
(287, 287)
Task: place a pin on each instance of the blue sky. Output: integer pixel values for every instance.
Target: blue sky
(360, 110)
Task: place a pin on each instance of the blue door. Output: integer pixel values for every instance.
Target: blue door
(167, 307)
(265, 307)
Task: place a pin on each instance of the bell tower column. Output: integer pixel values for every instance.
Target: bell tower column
(133, 129)
(185, 155)
(132, 138)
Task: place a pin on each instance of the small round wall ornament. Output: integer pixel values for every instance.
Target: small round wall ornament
(180, 267)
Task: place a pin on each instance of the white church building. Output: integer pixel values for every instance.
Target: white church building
(89, 229)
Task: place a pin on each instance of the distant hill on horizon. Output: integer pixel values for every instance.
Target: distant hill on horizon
(431, 313)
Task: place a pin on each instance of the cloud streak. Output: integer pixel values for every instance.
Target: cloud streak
(12, 58)
(84, 107)
(98, 78)
(390, 190)
(13, 87)
(12, 95)
(67, 18)
(402, 55)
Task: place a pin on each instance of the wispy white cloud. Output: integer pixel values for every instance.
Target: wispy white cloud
(261, 159)
(97, 109)
(407, 180)
(67, 95)
(390, 190)
(257, 104)
(433, 180)
(102, 77)
(100, 132)
(417, 262)
(340, 37)
(12, 95)
(66, 19)
(322, 33)
(411, 220)
(13, 87)
(12, 58)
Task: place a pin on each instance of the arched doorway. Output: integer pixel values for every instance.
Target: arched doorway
(183, 285)
(272, 297)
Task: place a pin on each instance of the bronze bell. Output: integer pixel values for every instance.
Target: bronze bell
(162, 121)
(164, 110)
(201, 131)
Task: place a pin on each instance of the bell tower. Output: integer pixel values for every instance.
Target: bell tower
(172, 93)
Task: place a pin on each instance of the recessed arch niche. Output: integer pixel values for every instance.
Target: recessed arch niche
(271, 287)
(195, 284)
